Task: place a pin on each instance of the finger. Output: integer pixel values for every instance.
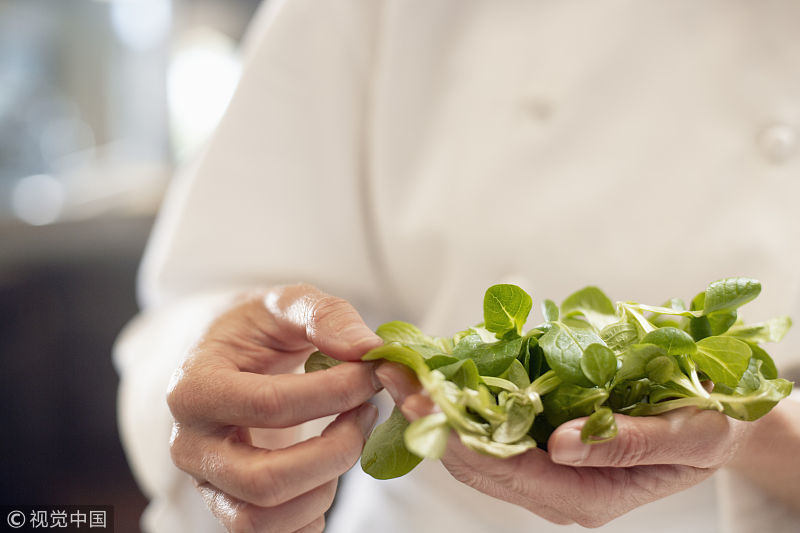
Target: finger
(565, 494)
(399, 380)
(221, 394)
(329, 323)
(703, 439)
(525, 480)
(269, 478)
(302, 513)
(317, 526)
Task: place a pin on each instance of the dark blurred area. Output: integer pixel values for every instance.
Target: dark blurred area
(99, 102)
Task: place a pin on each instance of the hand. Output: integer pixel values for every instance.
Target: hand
(651, 457)
(236, 378)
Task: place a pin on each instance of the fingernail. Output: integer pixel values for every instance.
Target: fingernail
(376, 382)
(366, 418)
(568, 448)
(384, 376)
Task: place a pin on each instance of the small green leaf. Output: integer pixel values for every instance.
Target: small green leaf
(627, 394)
(662, 369)
(619, 335)
(550, 311)
(723, 359)
(599, 364)
(520, 412)
(411, 336)
(592, 304)
(769, 331)
(563, 348)
(402, 332)
(427, 436)
(505, 309)
(634, 361)
(599, 427)
(699, 327)
(385, 455)
(729, 294)
(485, 445)
(517, 374)
(319, 361)
(492, 359)
(571, 401)
(757, 403)
(398, 353)
(768, 368)
(463, 373)
(674, 341)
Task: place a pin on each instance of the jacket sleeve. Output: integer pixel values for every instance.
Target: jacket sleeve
(279, 195)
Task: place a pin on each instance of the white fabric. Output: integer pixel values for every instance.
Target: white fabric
(406, 154)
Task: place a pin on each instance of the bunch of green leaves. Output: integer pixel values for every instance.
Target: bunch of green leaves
(504, 391)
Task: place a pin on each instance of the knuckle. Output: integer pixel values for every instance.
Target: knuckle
(178, 447)
(243, 520)
(343, 452)
(631, 450)
(266, 486)
(272, 403)
(592, 520)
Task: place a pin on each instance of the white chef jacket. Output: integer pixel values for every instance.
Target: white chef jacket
(407, 154)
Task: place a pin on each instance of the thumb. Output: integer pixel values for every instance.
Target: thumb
(703, 439)
(303, 312)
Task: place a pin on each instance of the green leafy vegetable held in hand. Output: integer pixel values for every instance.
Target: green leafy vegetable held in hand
(503, 391)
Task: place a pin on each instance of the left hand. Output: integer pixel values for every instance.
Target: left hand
(650, 458)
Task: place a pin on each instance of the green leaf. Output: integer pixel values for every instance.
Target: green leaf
(463, 373)
(398, 353)
(319, 361)
(599, 364)
(635, 359)
(730, 293)
(520, 412)
(757, 403)
(770, 331)
(385, 455)
(505, 309)
(517, 374)
(619, 335)
(662, 369)
(599, 427)
(486, 446)
(402, 332)
(550, 311)
(492, 359)
(722, 359)
(628, 393)
(592, 304)
(768, 368)
(673, 340)
(700, 327)
(427, 436)
(571, 401)
(411, 336)
(563, 348)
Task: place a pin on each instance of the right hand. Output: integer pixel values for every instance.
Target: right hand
(235, 378)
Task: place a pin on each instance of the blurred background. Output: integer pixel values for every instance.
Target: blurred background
(100, 100)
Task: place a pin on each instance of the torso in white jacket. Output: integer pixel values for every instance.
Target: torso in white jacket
(406, 154)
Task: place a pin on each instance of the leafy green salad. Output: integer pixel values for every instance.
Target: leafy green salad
(504, 390)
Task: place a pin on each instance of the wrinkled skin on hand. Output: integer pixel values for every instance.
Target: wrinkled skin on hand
(237, 378)
(651, 457)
